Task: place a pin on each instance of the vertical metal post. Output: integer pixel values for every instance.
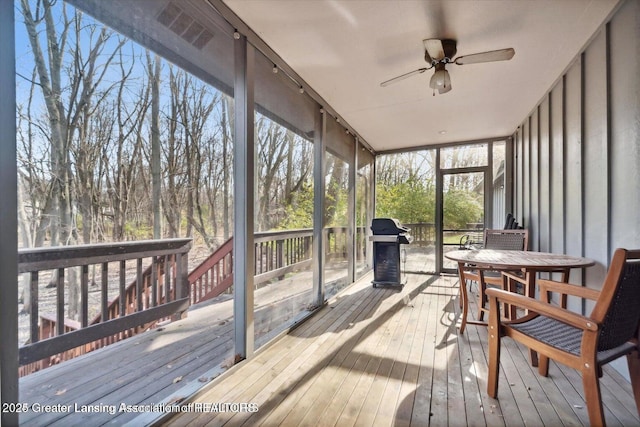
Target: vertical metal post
(371, 206)
(439, 215)
(319, 146)
(243, 200)
(508, 176)
(488, 190)
(8, 217)
(351, 215)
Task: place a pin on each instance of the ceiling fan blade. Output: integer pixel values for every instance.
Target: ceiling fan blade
(403, 76)
(491, 56)
(434, 48)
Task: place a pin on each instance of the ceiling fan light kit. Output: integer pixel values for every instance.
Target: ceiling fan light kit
(438, 53)
(440, 80)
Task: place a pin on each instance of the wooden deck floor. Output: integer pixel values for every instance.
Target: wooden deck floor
(149, 368)
(383, 357)
(370, 357)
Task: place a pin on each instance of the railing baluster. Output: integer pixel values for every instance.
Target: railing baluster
(104, 292)
(60, 302)
(123, 290)
(258, 258)
(33, 284)
(154, 281)
(179, 291)
(167, 279)
(139, 284)
(296, 255)
(84, 290)
(146, 291)
(296, 249)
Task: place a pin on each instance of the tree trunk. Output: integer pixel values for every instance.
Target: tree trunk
(155, 143)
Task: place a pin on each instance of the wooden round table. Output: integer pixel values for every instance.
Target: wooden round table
(529, 262)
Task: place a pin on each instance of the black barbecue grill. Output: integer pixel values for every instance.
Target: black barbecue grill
(388, 235)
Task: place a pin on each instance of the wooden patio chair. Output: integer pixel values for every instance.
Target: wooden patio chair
(493, 239)
(584, 343)
(510, 223)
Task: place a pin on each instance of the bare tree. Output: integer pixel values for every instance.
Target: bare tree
(69, 93)
(196, 106)
(153, 71)
(49, 79)
(226, 123)
(272, 152)
(174, 149)
(127, 149)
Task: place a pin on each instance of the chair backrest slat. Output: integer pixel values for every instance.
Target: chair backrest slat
(619, 302)
(508, 225)
(516, 240)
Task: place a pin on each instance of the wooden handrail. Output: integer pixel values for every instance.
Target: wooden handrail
(214, 275)
(139, 305)
(277, 253)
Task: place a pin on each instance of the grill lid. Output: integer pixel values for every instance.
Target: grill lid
(388, 226)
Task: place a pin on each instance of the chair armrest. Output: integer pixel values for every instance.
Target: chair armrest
(568, 289)
(546, 309)
(464, 241)
(510, 275)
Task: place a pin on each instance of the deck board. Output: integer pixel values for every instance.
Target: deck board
(383, 356)
(405, 364)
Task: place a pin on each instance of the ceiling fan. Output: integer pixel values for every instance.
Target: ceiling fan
(438, 53)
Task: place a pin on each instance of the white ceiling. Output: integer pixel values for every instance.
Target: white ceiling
(344, 48)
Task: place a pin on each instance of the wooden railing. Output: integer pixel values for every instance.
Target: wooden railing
(280, 252)
(276, 254)
(423, 233)
(160, 291)
(152, 295)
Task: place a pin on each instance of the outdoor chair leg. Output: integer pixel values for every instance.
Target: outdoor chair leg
(543, 365)
(494, 350)
(509, 309)
(633, 360)
(482, 296)
(592, 396)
